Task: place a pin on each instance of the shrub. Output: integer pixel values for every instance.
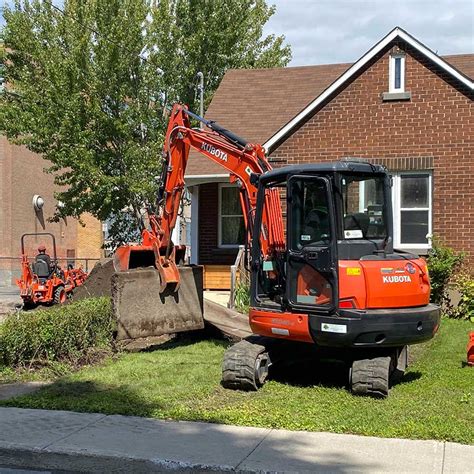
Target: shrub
(242, 298)
(464, 283)
(443, 262)
(64, 332)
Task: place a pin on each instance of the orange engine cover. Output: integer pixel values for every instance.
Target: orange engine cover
(381, 284)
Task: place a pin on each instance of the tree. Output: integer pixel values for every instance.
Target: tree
(87, 87)
(212, 36)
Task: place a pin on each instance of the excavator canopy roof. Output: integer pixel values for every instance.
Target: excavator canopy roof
(348, 166)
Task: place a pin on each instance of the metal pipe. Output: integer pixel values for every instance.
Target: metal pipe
(200, 88)
(232, 137)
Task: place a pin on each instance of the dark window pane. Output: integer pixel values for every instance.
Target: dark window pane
(415, 191)
(230, 201)
(398, 73)
(232, 231)
(364, 214)
(310, 224)
(414, 227)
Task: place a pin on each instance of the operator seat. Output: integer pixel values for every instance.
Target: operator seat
(41, 269)
(316, 225)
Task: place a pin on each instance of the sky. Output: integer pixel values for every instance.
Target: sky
(334, 31)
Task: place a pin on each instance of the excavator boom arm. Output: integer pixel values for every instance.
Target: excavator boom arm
(241, 159)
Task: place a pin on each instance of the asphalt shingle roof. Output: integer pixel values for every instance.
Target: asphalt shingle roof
(256, 103)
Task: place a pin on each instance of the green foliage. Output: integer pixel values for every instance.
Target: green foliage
(87, 88)
(242, 298)
(84, 102)
(464, 284)
(61, 333)
(443, 262)
(2, 61)
(211, 37)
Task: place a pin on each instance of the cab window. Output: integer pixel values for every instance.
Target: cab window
(310, 224)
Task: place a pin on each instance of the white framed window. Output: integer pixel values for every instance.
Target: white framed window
(396, 73)
(412, 209)
(231, 227)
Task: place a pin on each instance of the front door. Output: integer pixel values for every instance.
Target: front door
(311, 234)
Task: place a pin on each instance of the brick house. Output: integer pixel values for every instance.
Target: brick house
(400, 105)
(21, 179)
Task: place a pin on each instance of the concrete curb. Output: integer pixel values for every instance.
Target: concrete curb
(87, 442)
(23, 458)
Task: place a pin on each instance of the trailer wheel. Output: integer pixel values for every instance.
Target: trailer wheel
(60, 295)
(245, 366)
(371, 377)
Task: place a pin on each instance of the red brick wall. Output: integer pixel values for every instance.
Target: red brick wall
(21, 177)
(209, 252)
(433, 129)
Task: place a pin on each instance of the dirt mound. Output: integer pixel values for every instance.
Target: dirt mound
(98, 282)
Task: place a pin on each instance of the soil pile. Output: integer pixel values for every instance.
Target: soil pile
(98, 283)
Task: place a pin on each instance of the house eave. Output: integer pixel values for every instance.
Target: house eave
(197, 179)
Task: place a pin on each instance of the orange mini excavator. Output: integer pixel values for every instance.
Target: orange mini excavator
(331, 280)
(43, 282)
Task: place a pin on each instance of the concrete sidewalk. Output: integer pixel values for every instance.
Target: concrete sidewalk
(42, 439)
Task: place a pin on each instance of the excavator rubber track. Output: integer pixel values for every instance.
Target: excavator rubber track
(371, 377)
(246, 365)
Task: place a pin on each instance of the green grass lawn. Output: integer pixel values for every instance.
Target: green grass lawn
(181, 381)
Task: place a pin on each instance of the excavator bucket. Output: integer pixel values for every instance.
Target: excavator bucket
(141, 307)
(142, 311)
(129, 257)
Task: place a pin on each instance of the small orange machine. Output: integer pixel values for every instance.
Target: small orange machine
(470, 349)
(44, 282)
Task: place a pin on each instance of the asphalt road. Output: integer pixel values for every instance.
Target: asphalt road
(9, 299)
(12, 470)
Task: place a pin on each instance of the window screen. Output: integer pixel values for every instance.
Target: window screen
(231, 222)
(414, 208)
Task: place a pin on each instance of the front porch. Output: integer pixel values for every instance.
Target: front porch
(217, 228)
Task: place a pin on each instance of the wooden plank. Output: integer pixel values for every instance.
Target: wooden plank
(230, 323)
(216, 277)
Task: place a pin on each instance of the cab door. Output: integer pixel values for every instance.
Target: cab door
(311, 276)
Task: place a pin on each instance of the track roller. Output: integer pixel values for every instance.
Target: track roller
(371, 377)
(245, 366)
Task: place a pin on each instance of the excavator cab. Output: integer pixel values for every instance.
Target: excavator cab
(336, 211)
